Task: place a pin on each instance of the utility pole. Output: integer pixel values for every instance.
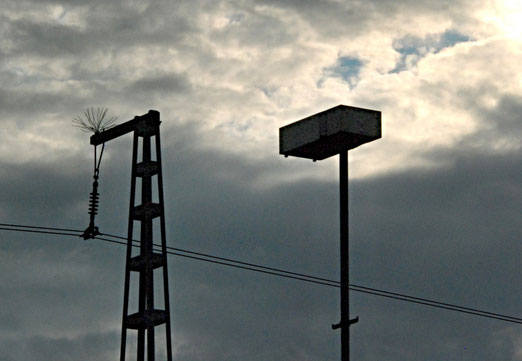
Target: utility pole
(320, 136)
(345, 252)
(145, 129)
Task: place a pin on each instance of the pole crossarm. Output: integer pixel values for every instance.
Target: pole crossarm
(144, 124)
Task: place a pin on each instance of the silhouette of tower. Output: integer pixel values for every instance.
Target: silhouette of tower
(149, 214)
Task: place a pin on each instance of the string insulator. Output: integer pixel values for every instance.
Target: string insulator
(94, 199)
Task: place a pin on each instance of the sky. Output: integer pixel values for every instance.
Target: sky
(435, 204)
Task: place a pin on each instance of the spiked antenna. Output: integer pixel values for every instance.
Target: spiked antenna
(94, 121)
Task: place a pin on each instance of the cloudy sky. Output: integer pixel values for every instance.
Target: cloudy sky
(435, 204)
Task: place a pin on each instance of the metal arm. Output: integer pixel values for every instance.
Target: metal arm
(142, 123)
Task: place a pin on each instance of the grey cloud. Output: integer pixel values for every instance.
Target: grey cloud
(60, 349)
(114, 26)
(497, 126)
(504, 119)
(328, 17)
(32, 103)
(334, 18)
(459, 227)
(91, 75)
(167, 83)
(108, 28)
(255, 29)
(47, 39)
(41, 191)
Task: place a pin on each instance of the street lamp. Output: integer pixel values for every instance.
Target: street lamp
(320, 136)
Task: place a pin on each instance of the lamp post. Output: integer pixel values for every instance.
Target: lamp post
(320, 136)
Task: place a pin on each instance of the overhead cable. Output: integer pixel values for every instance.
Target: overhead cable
(269, 270)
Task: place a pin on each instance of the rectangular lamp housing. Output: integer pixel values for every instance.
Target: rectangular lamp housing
(330, 132)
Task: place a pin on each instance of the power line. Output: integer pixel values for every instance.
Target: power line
(191, 254)
(37, 231)
(212, 259)
(272, 271)
(36, 227)
(320, 279)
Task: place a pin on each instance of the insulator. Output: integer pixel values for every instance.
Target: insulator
(94, 199)
(93, 202)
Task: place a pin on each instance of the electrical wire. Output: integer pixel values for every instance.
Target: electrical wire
(38, 231)
(270, 270)
(239, 262)
(35, 227)
(212, 259)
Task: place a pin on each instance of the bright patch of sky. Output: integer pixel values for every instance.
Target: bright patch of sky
(347, 68)
(412, 49)
(58, 12)
(506, 17)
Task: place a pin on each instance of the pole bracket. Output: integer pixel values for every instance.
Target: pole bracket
(350, 322)
(91, 232)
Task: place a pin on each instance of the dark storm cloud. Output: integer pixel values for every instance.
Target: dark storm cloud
(60, 294)
(60, 349)
(451, 234)
(43, 191)
(447, 227)
(51, 295)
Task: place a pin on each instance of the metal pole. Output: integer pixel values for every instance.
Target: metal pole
(146, 248)
(164, 247)
(129, 248)
(345, 323)
(147, 317)
(345, 305)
